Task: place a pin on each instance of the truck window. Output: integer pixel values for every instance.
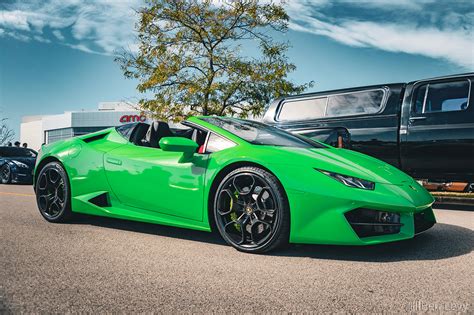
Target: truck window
(303, 109)
(442, 97)
(347, 104)
(357, 103)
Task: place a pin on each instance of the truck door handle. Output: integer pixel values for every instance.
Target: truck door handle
(417, 118)
(114, 161)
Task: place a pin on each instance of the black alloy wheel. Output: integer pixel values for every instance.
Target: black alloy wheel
(5, 174)
(53, 193)
(251, 210)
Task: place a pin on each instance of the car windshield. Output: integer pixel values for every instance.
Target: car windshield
(262, 134)
(16, 152)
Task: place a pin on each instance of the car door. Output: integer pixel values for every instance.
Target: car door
(440, 130)
(152, 179)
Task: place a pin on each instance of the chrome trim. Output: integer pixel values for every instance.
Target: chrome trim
(424, 98)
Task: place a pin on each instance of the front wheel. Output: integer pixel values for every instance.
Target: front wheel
(251, 210)
(53, 193)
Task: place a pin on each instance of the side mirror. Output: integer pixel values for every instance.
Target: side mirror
(179, 144)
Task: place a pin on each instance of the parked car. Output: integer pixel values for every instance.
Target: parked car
(425, 127)
(246, 178)
(17, 165)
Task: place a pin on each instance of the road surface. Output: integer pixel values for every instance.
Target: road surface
(96, 265)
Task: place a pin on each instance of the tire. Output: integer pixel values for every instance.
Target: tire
(53, 193)
(5, 174)
(251, 210)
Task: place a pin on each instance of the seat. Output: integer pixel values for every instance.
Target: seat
(157, 130)
(138, 134)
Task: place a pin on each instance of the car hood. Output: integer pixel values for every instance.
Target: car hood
(349, 163)
(27, 160)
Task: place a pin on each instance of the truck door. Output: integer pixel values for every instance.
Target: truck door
(439, 138)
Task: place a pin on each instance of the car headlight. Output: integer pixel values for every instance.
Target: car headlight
(20, 164)
(350, 181)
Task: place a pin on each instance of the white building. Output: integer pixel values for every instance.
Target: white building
(36, 130)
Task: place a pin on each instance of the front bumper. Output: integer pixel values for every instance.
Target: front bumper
(22, 177)
(358, 217)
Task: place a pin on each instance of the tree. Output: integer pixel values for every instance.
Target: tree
(190, 58)
(6, 134)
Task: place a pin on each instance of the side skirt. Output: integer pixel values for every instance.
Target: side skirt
(83, 204)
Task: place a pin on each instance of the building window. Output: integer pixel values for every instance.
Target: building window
(58, 134)
(66, 133)
(79, 131)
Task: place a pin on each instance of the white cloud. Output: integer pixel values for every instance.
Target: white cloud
(451, 41)
(103, 26)
(58, 35)
(14, 19)
(100, 26)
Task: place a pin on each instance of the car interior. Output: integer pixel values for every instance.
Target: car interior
(149, 135)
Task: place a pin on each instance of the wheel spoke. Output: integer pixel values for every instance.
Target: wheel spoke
(53, 176)
(260, 231)
(242, 223)
(223, 202)
(43, 182)
(54, 208)
(51, 199)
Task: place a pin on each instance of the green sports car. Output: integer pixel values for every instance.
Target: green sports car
(259, 186)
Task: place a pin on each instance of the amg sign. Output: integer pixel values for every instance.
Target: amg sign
(132, 118)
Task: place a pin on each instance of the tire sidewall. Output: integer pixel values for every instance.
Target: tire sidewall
(277, 191)
(9, 175)
(65, 211)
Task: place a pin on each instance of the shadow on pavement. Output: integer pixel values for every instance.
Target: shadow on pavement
(442, 241)
(149, 228)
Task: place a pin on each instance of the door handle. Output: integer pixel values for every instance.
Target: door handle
(417, 118)
(114, 161)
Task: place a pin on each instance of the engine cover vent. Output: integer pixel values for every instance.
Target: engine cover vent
(95, 138)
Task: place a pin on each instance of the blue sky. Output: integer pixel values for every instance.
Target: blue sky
(57, 55)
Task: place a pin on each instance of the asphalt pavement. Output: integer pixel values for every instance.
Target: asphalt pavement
(97, 264)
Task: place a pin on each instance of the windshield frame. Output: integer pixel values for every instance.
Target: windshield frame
(308, 143)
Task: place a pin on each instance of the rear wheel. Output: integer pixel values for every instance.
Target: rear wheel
(251, 211)
(53, 193)
(5, 174)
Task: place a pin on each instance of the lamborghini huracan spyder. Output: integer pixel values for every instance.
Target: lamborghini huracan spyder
(259, 186)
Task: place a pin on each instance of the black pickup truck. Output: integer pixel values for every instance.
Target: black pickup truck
(425, 127)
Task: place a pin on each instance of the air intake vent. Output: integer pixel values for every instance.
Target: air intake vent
(424, 220)
(368, 222)
(95, 138)
(101, 200)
